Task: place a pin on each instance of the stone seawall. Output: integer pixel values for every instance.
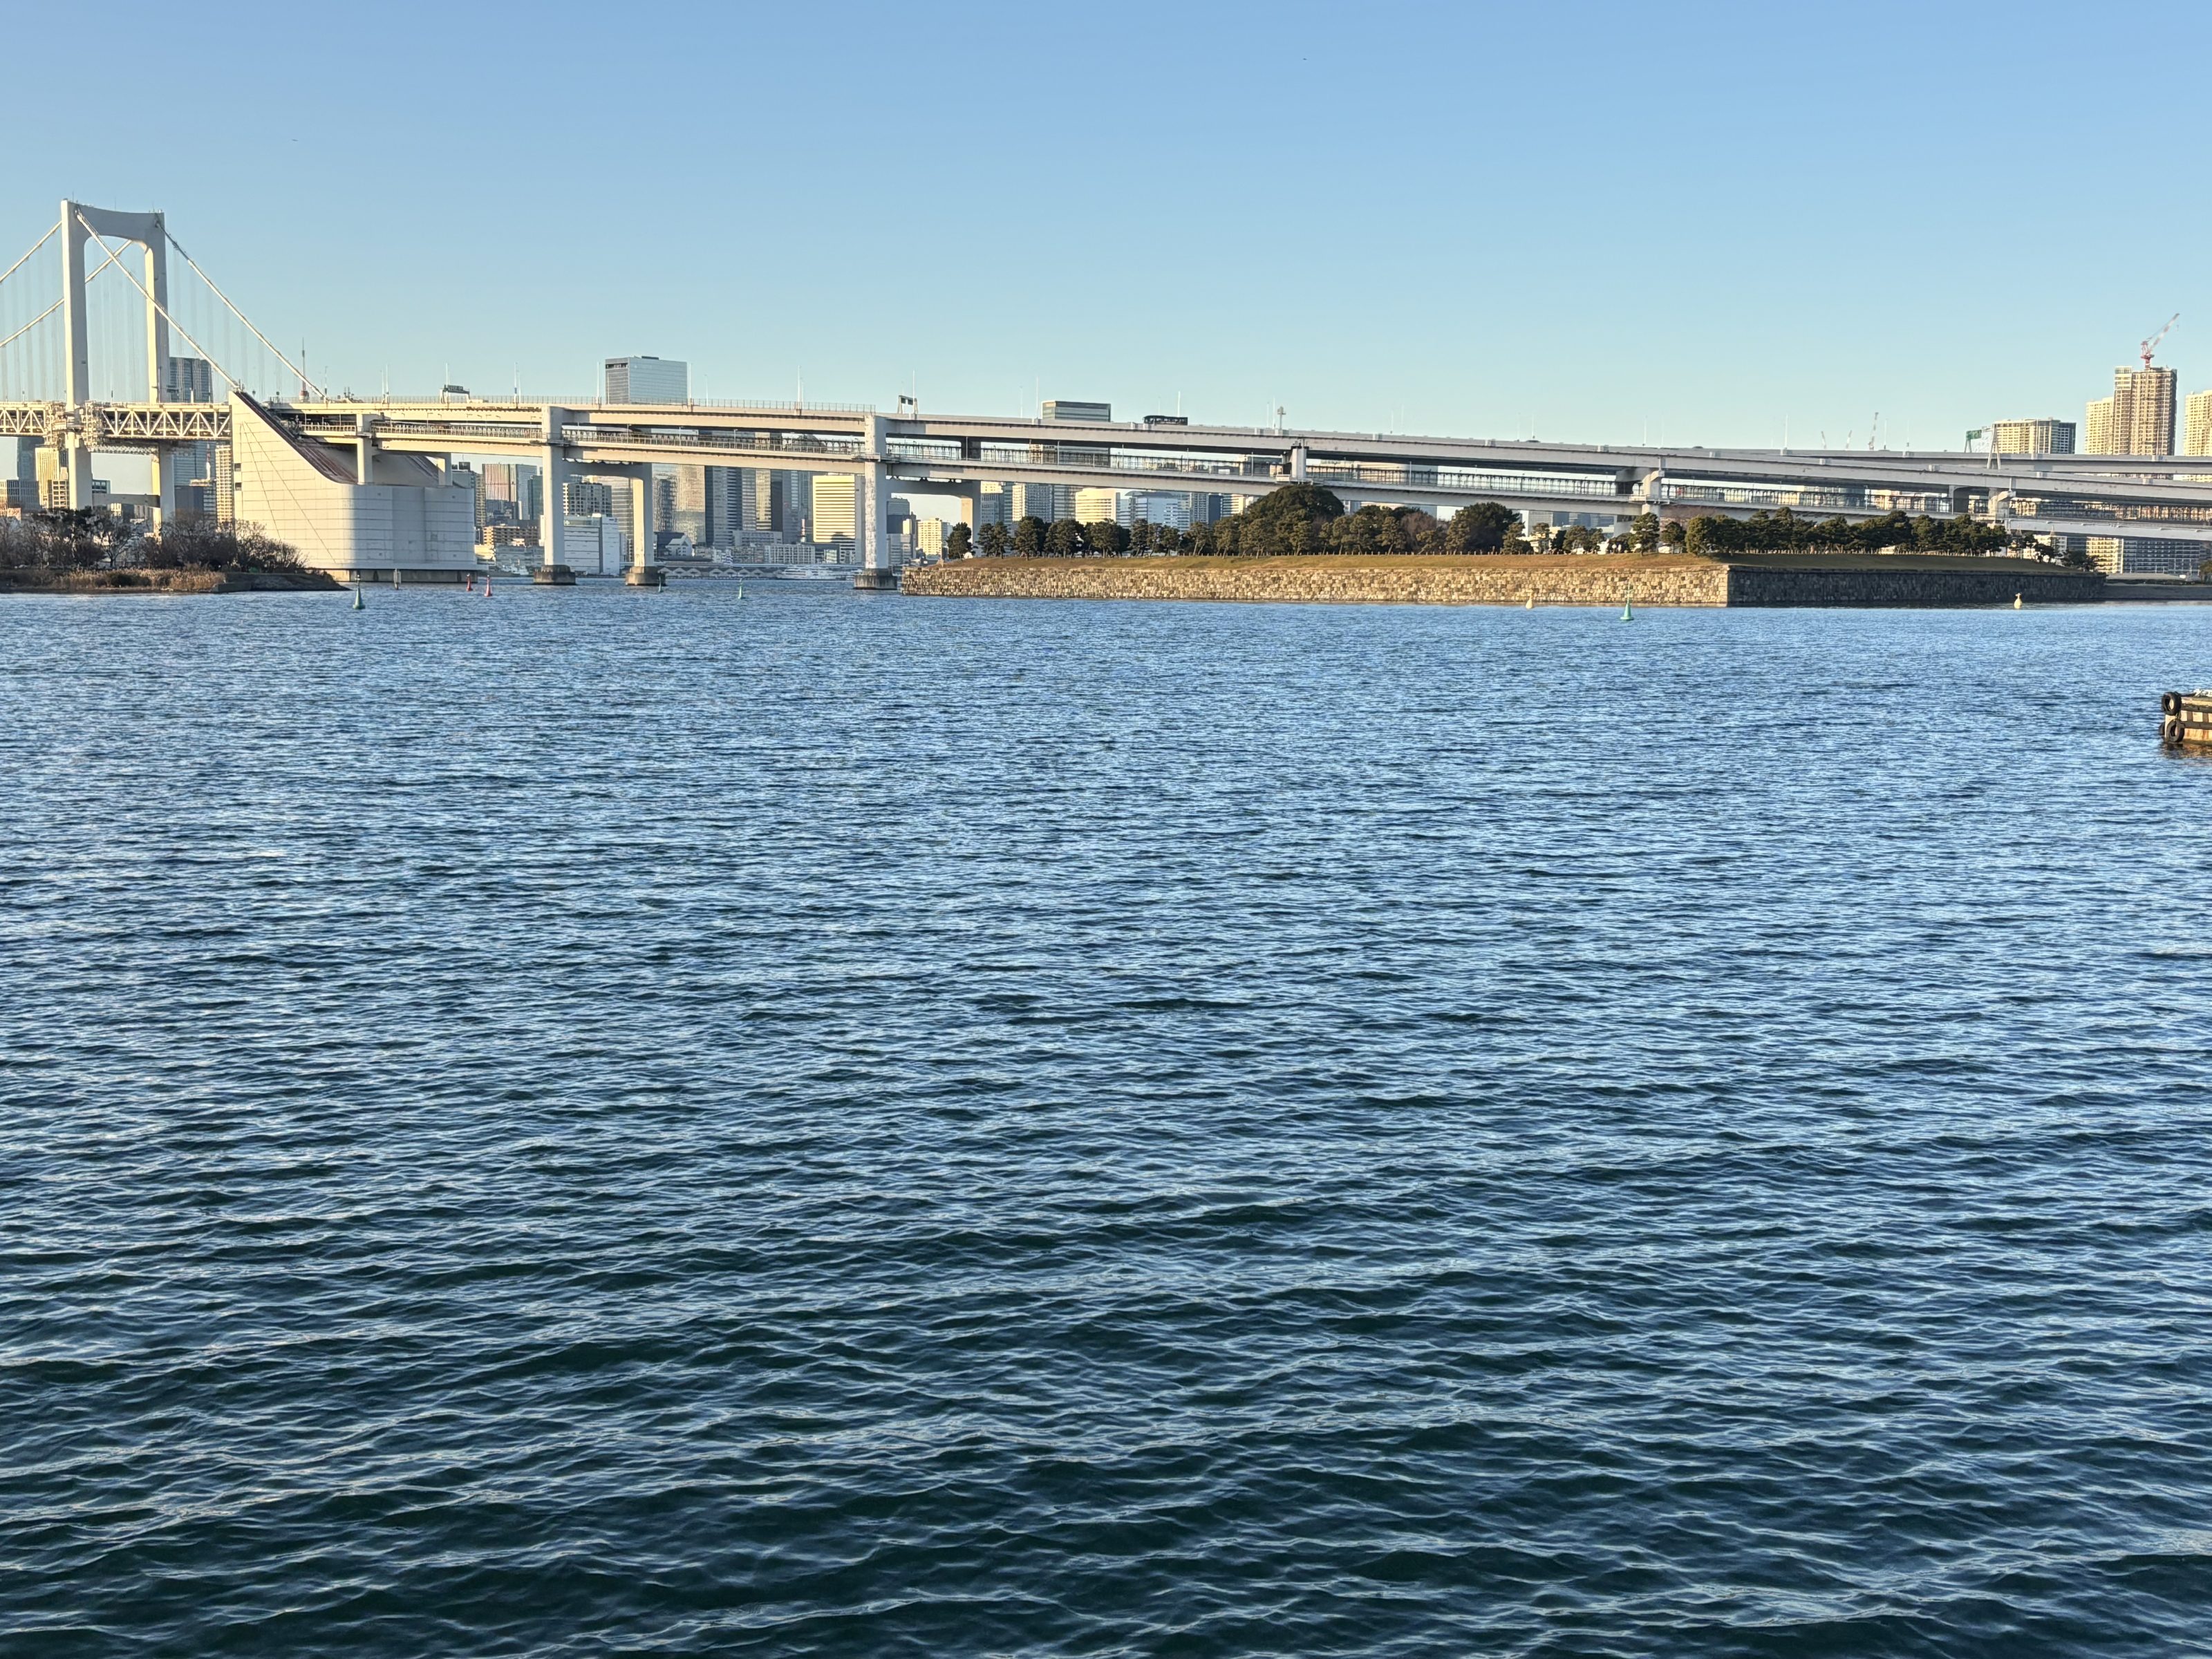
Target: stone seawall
(1588, 580)
(1595, 580)
(1910, 588)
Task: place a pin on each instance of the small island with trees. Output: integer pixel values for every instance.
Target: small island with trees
(1300, 543)
(94, 552)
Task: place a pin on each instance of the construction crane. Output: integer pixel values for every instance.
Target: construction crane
(2151, 344)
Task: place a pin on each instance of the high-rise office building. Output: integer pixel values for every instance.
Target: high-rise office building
(582, 497)
(836, 513)
(2137, 419)
(1160, 507)
(460, 472)
(2040, 437)
(664, 504)
(191, 380)
(771, 507)
(1097, 506)
(23, 487)
(687, 514)
(518, 490)
(709, 505)
(760, 504)
(647, 380)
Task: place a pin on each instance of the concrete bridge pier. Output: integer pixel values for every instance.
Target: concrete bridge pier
(870, 505)
(643, 571)
(553, 510)
(76, 473)
(164, 488)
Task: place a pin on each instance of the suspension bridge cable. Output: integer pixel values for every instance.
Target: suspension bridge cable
(34, 247)
(236, 313)
(111, 258)
(179, 326)
(28, 327)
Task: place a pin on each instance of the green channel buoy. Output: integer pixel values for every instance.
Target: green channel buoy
(1628, 606)
(356, 596)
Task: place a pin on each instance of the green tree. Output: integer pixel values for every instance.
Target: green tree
(1064, 539)
(1105, 538)
(1141, 537)
(994, 541)
(1673, 534)
(1643, 532)
(1371, 530)
(959, 541)
(1481, 527)
(1028, 537)
(1286, 521)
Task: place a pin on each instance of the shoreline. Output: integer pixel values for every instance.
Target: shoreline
(96, 584)
(1900, 581)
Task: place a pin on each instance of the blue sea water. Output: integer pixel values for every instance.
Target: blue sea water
(602, 1122)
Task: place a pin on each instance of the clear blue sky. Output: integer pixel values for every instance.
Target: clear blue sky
(1586, 220)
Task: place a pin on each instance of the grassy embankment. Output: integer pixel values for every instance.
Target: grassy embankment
(41, 579)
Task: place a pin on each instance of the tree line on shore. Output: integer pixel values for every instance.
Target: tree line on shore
(1304, 518)
(1301, 518)
(1783, 531)
(60, 541)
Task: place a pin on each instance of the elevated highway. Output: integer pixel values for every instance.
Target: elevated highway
(2166, 497)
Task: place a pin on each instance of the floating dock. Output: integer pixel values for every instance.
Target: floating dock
(2185, 720)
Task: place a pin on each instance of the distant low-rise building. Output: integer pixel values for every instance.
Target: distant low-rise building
(2146, 555)
(2037, 437)
(594, 545)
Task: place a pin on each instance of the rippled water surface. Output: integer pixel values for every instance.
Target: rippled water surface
(593, 1122)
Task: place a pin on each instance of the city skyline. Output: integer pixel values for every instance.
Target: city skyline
(1633, 231)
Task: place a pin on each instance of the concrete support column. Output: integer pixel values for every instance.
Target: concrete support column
(364, 439)
(871, 502)
(1298, 462)
(77, 350)
(641, 572)
(165, 490)
(552, 511)
(77, 457)
(156, 246)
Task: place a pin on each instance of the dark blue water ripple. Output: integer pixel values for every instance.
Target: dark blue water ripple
(602, 1122)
